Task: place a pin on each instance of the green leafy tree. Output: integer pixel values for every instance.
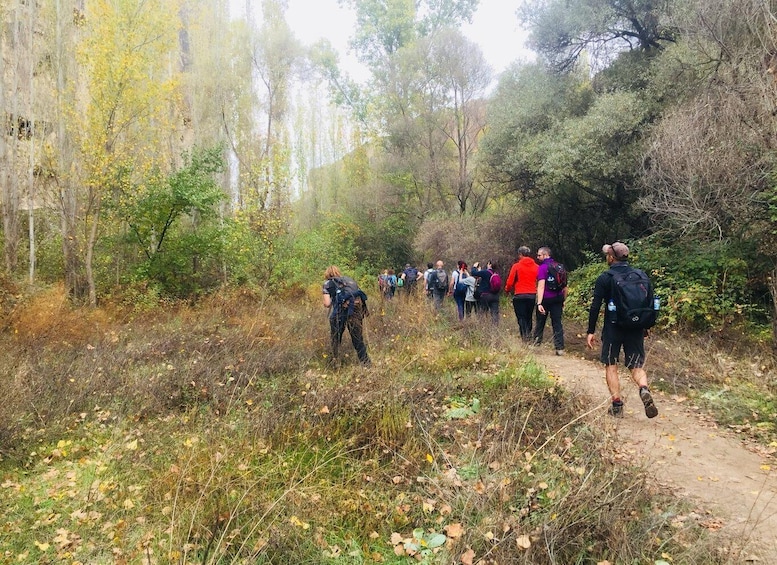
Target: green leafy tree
(561, 30)
(566, 153)
(151, 210)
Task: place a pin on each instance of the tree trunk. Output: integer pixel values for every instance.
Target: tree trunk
(773, 292)
(31, 156)
(68, 199)
(90, 245)
(11, 184)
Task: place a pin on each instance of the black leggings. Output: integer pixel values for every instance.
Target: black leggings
(355, 325)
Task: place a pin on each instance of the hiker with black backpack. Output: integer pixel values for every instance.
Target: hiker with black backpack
(551, 295)
(410, 277)
(348, 305)
(631, 310)
(489, 287)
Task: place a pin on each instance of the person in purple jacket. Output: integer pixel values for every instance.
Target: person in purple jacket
(549, 303)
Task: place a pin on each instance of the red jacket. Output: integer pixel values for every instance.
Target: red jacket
(523, 277)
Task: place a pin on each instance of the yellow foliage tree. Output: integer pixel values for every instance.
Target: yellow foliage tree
(127, 98)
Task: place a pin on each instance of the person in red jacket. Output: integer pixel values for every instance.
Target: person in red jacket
(522, 282)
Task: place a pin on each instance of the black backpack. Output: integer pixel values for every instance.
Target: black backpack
(632, 294)
(556, 279)
(347, 292)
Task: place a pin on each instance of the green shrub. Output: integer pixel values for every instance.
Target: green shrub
(701, 286)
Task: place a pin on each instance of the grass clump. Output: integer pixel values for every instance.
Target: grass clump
(221, 435)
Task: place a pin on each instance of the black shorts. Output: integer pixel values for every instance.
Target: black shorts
(631, 341)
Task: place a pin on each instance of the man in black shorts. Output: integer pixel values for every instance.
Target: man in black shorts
(615, 338)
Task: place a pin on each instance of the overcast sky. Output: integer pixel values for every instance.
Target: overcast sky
(495, 28)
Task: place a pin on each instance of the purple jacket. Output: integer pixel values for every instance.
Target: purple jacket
(542, 275)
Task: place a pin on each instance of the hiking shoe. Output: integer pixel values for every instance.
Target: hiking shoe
(647, 399)
(616, 410)
(560, 352)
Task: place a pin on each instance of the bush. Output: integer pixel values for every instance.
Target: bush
(702, 287)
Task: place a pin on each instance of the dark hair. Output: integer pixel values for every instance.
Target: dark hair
(429, 266)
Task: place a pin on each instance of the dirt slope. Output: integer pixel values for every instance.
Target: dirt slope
(735, 487)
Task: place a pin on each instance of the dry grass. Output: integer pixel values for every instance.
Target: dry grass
(220, 434)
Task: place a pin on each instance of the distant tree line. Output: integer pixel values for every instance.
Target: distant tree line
(182, 150)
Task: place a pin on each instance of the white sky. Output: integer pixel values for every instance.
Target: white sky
(495, 28)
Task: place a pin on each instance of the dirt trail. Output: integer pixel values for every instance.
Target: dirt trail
(686, 453)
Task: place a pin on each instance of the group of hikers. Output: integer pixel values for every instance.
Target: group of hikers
(539, 289)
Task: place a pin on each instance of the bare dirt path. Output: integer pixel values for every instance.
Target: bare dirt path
(736, 487)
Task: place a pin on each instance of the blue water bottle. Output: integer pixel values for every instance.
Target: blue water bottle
(656, 303)
(611, 306)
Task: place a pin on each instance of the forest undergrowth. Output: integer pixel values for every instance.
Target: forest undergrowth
(223, 433)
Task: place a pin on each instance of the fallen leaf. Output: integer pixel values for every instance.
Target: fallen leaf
(468, 557)
(523, 542)
(454, 530)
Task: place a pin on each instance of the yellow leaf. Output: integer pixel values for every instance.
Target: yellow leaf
(132, 446)
(299, 523)
(324, 410)
(429, 458)
(42, 546)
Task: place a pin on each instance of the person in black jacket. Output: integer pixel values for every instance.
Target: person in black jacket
(348, 305)
(488, 301)
(615, 338)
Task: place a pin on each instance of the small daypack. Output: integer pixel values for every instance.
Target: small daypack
(495, 284)
(556, 279)
(632, 294)
(400, 282)
(440, 279)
